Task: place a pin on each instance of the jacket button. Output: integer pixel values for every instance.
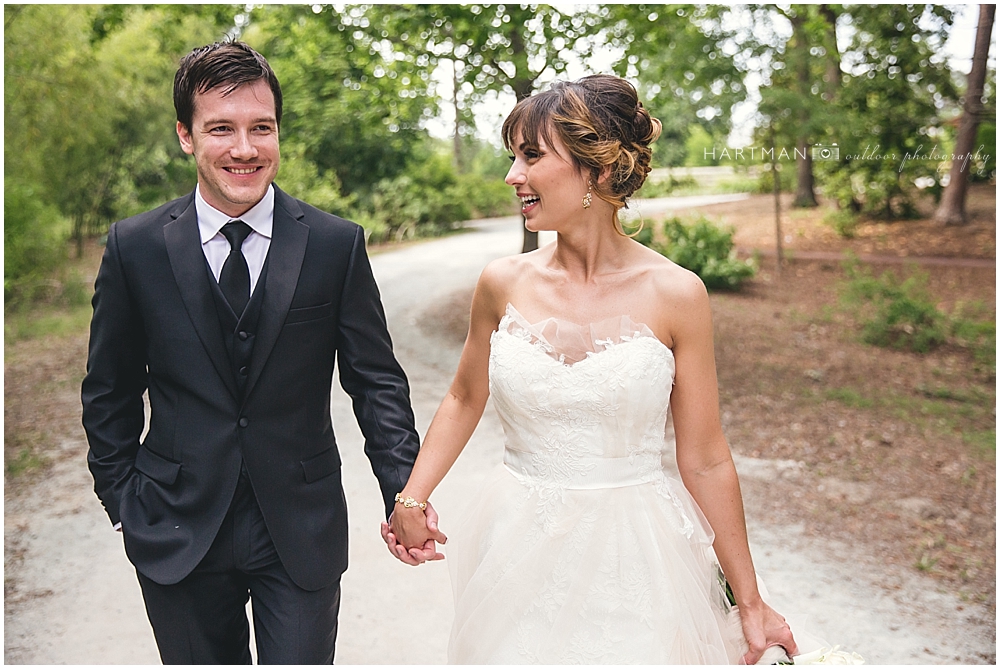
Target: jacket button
(242, 335)
(243, 371)
(244, 422)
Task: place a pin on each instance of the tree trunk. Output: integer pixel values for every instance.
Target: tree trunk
(777, 208)
(459, 163)
(78, 234)
(832, 76)
(804, 194)
(952, 208)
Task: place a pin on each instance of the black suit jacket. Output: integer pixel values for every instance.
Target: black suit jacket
(155, 327)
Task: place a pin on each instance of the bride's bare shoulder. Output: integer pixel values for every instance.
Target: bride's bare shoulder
(671, 282)
(497, 283)
(503, 273)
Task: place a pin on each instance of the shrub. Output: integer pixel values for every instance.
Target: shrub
(978, 335)
(896, 314)
(707, 250)
(300, 178)
(843, 221)
(669, 186)
(34, 235)
(430, 200)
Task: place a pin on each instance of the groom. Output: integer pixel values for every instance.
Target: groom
(229, 306)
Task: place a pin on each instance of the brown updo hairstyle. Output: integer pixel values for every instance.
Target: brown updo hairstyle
(603, 125)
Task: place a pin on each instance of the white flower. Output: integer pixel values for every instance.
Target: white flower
(829, 656)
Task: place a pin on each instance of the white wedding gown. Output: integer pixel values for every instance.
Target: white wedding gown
(580, 549)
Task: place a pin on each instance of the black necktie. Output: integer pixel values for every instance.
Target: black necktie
(235, 277)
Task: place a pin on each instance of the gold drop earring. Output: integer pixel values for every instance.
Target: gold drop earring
(589, 197)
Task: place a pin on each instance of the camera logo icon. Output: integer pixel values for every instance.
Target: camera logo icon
(825, 152)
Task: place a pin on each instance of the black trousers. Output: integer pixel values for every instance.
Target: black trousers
(202, 619)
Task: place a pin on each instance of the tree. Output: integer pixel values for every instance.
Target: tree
(894, 87)
(351, 100)
(493, 49)
(88, 113)
(684, 58)
(952, 208)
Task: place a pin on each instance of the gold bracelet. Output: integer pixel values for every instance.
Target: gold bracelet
(409, 502)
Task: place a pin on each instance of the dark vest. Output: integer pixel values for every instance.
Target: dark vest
(239, 333)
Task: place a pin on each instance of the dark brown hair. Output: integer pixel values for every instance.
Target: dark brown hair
(603, 125)
(228, 64)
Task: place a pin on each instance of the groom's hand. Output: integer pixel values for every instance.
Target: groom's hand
(411, 535)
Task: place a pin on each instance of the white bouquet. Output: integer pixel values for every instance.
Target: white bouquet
(825, 655)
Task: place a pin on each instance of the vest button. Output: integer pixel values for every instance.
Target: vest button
(243, 371)
(242, 335)
(244, 422)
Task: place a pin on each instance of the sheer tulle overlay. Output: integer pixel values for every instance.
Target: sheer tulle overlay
(580, 548)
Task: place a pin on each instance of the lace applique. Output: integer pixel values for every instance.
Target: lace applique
(569, 343)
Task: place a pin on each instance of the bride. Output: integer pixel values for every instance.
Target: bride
(581, 548)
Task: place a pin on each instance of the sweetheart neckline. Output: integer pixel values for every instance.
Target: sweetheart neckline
(518, 315)
(591, 355)
(539, 342)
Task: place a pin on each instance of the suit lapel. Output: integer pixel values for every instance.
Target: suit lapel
(285, 254)
(187, 261)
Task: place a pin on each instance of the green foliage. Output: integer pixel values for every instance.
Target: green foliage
(666, 187)
(894, 313)
(765, 180)
(705, 249)
(684, 61)
(973, 328)
(300, 178)
(984, 168)
(88, 120)
(888, 107)
(843, 221)
(34, 236)
(699, 148)
(431, 200)
(351, 100)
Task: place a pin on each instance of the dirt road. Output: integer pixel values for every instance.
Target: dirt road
(78, 601)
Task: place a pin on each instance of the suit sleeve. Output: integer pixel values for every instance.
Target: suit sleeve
(370, 374)
(112, 390)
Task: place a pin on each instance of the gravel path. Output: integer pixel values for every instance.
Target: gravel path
(77, 600)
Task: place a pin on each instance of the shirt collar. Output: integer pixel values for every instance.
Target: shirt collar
(260, 217)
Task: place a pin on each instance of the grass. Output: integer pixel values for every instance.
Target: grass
(24, 461)
(849, 397)
(46, 321)
(944, 410)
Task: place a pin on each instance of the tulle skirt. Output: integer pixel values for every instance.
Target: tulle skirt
(616, 575)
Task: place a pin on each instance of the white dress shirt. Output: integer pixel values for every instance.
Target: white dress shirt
(260, 218)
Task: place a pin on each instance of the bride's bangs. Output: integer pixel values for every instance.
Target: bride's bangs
(532, 118)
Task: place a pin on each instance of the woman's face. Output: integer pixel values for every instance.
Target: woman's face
(550, 186)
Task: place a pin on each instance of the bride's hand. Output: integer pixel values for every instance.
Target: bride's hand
(411, 534)
(764, 627)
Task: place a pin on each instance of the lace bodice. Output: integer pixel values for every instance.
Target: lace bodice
(597, 422)
(565, 416)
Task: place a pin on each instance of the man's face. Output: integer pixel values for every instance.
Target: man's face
(234, 141)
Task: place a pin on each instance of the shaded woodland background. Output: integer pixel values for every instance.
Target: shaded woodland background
(89, 135)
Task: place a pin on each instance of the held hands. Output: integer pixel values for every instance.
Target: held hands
(763, 627)
(411, 534)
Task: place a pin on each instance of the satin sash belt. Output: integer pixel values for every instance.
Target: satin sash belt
(583, 473)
